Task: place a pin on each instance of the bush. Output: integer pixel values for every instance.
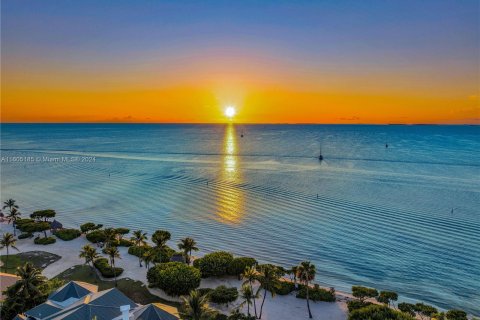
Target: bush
(123, 243)
(25, 235)
(22, 222)
(204, 291)
(67, 234)
(238, 265)
(285, 287)
(317, 294)
(103, 266)
(138, 251)
(214, 264)
(96, 236)
(378, 312)
(90, 226)
(175, 278)
(362, 293)
(162, 255)
(456, 315)
(44, 241)
(223, 295)
(356, 304)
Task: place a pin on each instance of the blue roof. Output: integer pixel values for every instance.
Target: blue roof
(152, 312)
(43, 310)
(70, 290)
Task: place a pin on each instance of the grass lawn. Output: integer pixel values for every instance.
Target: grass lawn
(135, 290)
(40, 259)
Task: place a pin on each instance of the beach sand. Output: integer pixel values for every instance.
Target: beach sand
(279, 308)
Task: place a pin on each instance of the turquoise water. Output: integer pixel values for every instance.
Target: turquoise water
(367, 214)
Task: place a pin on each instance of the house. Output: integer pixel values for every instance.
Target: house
(79, 300)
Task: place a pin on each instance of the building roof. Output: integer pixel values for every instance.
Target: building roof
(152, 312)
(20, 317)
(73, 289)
(43, 310)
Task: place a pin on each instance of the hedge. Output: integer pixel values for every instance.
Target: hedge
(96, 236)
(285, 287)
(162, 256)
(44, 241)
(356, 304)
(238, 265)
(67, 234)
(103, 266)
(25, 235)
(223, 295)
(317, 294)
(214, 264)
(175, 278)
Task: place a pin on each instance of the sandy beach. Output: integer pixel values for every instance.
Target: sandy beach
(279, 308)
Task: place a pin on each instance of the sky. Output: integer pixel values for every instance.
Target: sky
(276, 61)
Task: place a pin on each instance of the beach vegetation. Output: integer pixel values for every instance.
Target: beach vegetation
(456, 314)
(13, 217)
(160, 238)
(249, 276)
(387, 297)
(306, 273)
(25, 235)
(37, 227)
(424, 310)
(195, 307)
(187, 245)
(223, 295)
(407, 308)
(139, 240)
(285, 287)
(44, 215)
(90, 226)
(363, 293)
(378, 312)
(105, 269)
(268, 276)
(96, 236)
(214, 264)
(247, 295)
(317, 294)
(44, 241)
(90, 254)
(238, 265)
(113, 254)
(8, 241)
(21, 223)
(175, 278)
(67, 234)
(235, 315)
(357, 304)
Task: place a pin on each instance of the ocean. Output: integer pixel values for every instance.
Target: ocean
(404, 218)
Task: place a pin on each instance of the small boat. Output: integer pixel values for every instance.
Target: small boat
(386, 145)
(320, 157)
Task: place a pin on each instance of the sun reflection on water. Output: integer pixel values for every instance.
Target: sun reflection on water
(230, 200)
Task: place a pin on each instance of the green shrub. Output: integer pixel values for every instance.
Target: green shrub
(285, 287)
(123, 243)
(214, 264)
(162, 255)
(138, 251)
(456, 315)
(44, 241)
(22, 222)
(223, 295)
(96, 236)
(103, 266)
(238, 265)
(204, 291)
(25, 235)
(67, 234)
(356, 304)
(175, 278)
(90, 226)
(122, 231)
(317, 294)
(378, 312)
(362, 293)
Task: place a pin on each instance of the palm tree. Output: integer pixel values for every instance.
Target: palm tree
(195, 307)
(110, 235)
(268, 278)
(113, 253)
(139, 239)
(13, 216)
(248, 296)
(250, 275)
(148, 257)
(293, 273)
(10, 204)
(187, 245)
(30, 288)
(8, 241)
(90, 254)
(306, 273)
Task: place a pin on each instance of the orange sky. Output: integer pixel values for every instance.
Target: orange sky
(273, 72)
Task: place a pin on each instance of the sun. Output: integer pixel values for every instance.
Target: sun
(230, 112)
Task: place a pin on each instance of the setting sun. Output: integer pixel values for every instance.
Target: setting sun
(230, 111)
